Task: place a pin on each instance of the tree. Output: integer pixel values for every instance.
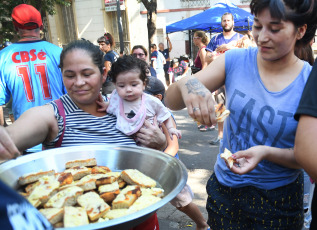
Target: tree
(151, 7)
(7, 32)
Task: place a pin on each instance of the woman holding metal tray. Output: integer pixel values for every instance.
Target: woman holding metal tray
(73, 119)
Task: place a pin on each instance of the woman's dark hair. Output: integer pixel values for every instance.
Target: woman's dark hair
(128, 63)
(109, 39)
(139, 47)
(94, 52)
(299, 12)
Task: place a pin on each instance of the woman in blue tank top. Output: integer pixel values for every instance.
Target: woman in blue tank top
(264, 188)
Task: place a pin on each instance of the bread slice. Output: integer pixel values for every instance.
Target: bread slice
(126, 197)
(221, 112)
(86, 162)
(59, 225)
(47, 187)
(54, 215)
(223, 116)
(116, 213)
(99, 179)
(152, 191)
(94, 205)
(86, 185)
(78, 172)
(64, 178)
(134, 176)
(75, 216)
(30, 187)
(66, 197)
(227, 156)
(143, 202)
(34, 176)
(100, 170)
(219, 109)
(109, 192)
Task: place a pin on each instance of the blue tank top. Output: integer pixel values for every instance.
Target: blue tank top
(258, 117)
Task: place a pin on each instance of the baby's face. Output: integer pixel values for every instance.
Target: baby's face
(129, 85)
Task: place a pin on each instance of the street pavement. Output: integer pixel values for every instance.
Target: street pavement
(199, 157)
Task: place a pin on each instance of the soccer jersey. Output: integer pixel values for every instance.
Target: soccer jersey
(220, 40)
(158, 57)
(29, 72)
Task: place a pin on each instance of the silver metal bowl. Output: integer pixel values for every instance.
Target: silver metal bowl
(169, 172)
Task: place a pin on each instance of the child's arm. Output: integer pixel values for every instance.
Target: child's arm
(172, 144)
(171, 129)
(103, 105)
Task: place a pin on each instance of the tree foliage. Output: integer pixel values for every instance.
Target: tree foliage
(151, 7)
(7, 32)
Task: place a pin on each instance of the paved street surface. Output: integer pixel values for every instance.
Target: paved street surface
(199, 157)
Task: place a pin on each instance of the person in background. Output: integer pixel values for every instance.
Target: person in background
(166, 54)
(177, 70)
(200, 40)
(29, 68)
(140, 52)
(219, 44)
(106, 44)
(157, 62)
(305, 141)
(264, 187)
(183, 201)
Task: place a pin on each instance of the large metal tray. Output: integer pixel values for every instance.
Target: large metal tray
(169, 172)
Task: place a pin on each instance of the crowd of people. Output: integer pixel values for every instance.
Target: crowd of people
(88, 94)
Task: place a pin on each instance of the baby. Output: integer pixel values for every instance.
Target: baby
(128, 101)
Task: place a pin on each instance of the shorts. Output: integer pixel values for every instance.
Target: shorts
(253, 208)
(183, 198)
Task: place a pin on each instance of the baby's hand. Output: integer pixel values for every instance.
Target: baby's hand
(102, 104)
(173, 131)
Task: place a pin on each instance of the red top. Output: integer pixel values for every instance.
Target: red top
(197, 62)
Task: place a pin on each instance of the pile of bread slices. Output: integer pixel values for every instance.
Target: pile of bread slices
(86, 193)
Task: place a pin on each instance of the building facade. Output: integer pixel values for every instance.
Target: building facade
(90, 19)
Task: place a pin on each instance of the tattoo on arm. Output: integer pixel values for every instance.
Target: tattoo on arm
(195, 87)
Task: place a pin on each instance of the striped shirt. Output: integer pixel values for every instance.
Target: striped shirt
(83, 128)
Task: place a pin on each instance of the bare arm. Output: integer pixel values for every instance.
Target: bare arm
(195, 92)
(306, 145)
(107, 66)
(35, 126)
(170, 47)
(172, 145)
(1, 116)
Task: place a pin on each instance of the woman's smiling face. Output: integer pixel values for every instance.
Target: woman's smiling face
(82, 78)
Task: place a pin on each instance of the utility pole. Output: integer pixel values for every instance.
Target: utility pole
(120, 27)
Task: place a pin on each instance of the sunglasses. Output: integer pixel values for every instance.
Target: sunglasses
(196, 37)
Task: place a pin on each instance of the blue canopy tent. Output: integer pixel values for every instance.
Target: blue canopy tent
(210, 20)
